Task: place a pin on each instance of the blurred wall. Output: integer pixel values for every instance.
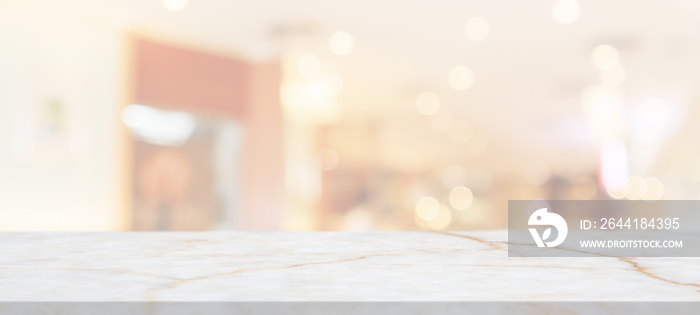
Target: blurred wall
(262, 186)
(225, 87)
(181, 78)
(60, 92)
(64, 158)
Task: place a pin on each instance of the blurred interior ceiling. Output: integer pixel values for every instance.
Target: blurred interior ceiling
(529, 71)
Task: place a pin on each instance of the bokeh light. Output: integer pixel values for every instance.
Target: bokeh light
(654, 189)
(461, 78)
(477, 28)
(566, 11)
(324, 87)
(175, 5)
(604, 57)
(637, 187)
(427, 103)
(442, 220)
(619, 193)
(327, 159)
(613, 77)
(427, 208)
(461, 197)
(341, 43)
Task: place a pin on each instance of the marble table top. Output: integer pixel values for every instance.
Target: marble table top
(321, 266)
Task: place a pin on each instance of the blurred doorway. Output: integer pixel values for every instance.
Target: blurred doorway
(185, 170)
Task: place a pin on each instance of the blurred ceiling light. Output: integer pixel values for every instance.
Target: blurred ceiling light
(605, 57)
(461, 197)
(158, 126)
(309, 65)
(566, 11)
(637, 187)
(537, 173)
(477, 29)
(614, 166)
(427, 208)
(654, 189)
(341, 43)
(612, 77)
(460, 132)
(427, 103)
(327, 159)
(441, 121)
(461, 78)
(174, 5)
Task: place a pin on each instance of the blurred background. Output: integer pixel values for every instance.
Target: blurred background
(339, 115)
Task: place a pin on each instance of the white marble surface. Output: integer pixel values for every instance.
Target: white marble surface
(301, 266)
